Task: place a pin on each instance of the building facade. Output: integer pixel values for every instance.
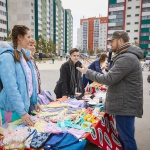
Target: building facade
(92, 34)
(44, 17)
(133, 16)
(3, 19)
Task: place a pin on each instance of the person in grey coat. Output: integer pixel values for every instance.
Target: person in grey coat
(124, 98)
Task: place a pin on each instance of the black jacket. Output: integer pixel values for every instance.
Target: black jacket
(63, 84)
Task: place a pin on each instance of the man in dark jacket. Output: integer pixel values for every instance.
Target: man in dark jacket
(124, 97)
(70, 81)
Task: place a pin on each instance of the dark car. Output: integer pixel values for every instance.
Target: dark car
(44, 55)
(147, 57)
(98, 55)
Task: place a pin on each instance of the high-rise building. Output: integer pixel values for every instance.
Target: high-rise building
(68, 30)
(44, 17)
(133, 16)
(3, 19)
(92, 33)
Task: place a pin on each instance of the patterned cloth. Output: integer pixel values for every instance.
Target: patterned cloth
(104, 134)
(30, 86)
(38, 75)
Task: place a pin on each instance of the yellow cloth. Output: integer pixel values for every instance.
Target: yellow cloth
(39, 126)
(42, 113)
(15, 123)
(57, 105)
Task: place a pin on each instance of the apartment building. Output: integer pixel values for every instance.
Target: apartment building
(92, 33)
(3, 19)
(44, 17)
(133, 16)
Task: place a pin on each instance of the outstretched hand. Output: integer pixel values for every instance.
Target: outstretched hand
(38, 107)
(83, 69)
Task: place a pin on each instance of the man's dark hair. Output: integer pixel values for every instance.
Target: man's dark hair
(73, 50)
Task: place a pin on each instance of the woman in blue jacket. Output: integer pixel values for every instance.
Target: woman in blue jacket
(97, 65)
(17, 78)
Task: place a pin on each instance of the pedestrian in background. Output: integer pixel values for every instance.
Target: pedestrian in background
(124, 98)
(53, 59)
(98, 65)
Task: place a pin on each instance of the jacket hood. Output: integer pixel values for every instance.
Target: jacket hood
(8, 47)
(136, 51)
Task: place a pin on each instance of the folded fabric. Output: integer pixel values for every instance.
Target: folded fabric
(39, 126)
(29, 139)
(54, 140)
(77, 133)
(39, 139)
(52, 128)
(75, 103)
(70, 142)
(45, 97)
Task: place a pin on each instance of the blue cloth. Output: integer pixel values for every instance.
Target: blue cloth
(125, 127)
(66, 142)
(93, 66)
(14, 95)
(54, 140)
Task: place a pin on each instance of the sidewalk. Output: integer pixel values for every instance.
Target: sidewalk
(47, 65)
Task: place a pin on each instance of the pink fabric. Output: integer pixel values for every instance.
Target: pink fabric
(77, 133)
(8, 116)
(30, 86)
(52, 128)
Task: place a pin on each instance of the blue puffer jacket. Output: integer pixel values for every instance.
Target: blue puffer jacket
(14, 95)
(93, 66)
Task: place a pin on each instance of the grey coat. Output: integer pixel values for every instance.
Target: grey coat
(125, 83)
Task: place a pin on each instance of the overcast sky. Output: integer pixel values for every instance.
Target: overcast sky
(86, 8)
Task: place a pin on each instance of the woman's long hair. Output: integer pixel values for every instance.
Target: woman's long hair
(18, 30)
(103, 57)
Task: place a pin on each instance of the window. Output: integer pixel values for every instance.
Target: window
(137, 6)
(146, 9)
(116, 5)
(145, 17)
(145, 33)
(145, 42)
(128, 23)
(145, 26)
(116, 12)
(135, 38)
(31, 4)
(136, 22)
(129, 0)
(136, 15)
(135, 30)
(2, 30)
(115, 20)
(128, 15)
(2, 13)
(32, 10)
(146, 1)
(2, 4)
(128, 30)
(129, 7)
(31, 17)
(2, 21)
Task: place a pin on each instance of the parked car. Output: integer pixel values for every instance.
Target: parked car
(98, 55)
(44, 55)
(85, 55)
(147, 57)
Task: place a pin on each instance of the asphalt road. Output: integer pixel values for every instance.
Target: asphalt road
(49, 77)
